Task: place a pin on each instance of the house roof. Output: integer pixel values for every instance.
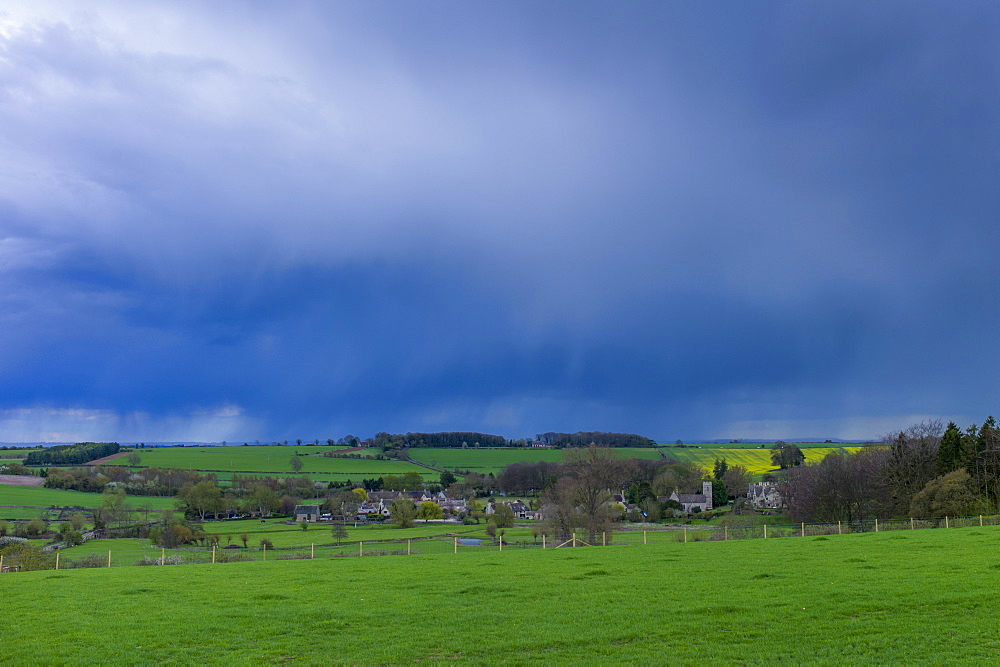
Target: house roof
(691, 498)
(307, 509)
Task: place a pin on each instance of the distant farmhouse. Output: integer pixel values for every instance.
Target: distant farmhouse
(308, 513)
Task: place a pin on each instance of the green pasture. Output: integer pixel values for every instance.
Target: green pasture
(283, 534)
(268, 459)
(38, 496)
(492, 459)
(914, 597)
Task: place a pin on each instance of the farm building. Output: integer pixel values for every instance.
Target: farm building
(307, 513)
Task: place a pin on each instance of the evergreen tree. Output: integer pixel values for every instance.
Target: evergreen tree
(950, 449)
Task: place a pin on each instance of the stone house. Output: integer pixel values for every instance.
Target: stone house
(689, 501)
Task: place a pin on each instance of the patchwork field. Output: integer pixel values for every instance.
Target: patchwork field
(269, 459)
(486, 460)
(493, 459)
(884, 598)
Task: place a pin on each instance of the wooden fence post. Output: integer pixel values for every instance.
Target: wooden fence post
(312, 551)
(361, 549)
(765, 531)
(407, 546)
(643, 537)
(1, 562)
(456, 543)
(980, 520)
(803, 529)
(109, 558)
(946, 522)
(163, 556)
(727, 532)
(876, 524)
(265, 552)
(501, 543)
(543, 540)
(213, 554)
(838, 528)
(604, 539)
(911, 523)
(685, 534)
(574, 538)
(57, 559)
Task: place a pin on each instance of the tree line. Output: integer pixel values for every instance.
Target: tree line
(598, 438)
(927, 470)
(76, 454)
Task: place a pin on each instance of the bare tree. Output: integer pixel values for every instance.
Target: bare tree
(909, 461)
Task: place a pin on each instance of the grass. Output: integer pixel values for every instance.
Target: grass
(38, 496)
(283, 534)
(886, 598)
(269, 459)
(492, 459)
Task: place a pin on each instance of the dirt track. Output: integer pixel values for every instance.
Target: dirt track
(105, 459)
(21, 480)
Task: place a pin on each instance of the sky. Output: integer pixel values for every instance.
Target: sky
(254, 220)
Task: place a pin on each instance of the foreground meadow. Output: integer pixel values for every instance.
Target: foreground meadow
(922, 596)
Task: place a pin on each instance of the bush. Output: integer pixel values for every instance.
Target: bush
(36, 527)
(153, 560)
(93, 560)
(8, 540)
(232, 556)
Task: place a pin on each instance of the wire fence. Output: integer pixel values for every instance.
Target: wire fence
(134, 552)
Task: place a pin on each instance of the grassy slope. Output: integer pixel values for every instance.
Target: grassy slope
(886, 597)
(42, 497)
(267, 459)
(486, 459)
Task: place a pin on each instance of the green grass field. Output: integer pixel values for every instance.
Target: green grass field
(493, 459)
(269, 459)
(41, 497)
(921, 596)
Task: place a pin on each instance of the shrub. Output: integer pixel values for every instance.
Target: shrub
(28, 557)
(93, 560)
(36, 527)
(8, 540)
(232, 556)
(153, 560)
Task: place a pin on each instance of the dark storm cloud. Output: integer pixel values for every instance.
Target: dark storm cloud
(307, 219)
